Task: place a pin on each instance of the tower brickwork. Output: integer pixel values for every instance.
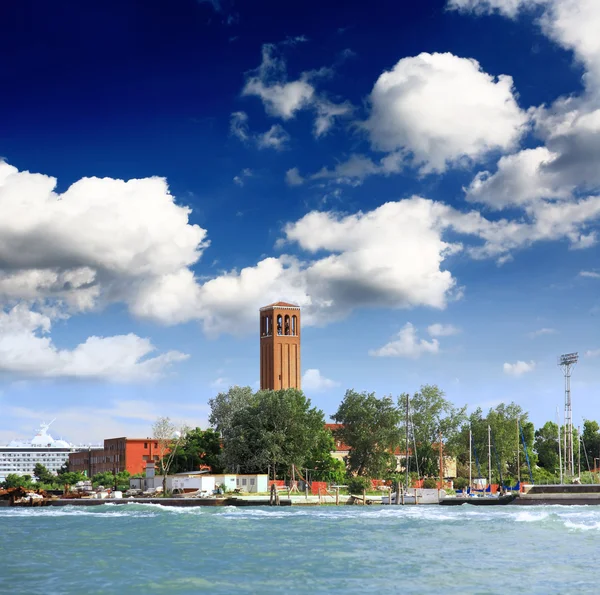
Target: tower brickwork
(280, 346)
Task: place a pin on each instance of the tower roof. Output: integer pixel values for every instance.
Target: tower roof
(281, 305)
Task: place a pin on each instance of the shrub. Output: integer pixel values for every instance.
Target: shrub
(430, 483)
(356, 485)
(460, 483)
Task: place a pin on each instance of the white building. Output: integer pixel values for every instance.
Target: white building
(228, 480)
(187, 482)
(252, 483)
(21, 457)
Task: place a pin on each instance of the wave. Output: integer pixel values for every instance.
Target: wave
(70, 511)
(582, 526)
(572, 518)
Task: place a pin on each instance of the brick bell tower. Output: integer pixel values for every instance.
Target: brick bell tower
(280, 346)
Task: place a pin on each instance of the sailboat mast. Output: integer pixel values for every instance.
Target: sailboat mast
(559, 451)
(406, 450)
(518, 453)
(470, 462)
(578, 452)
(490, 458)
(441, 464)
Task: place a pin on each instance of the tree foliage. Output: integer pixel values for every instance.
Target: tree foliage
(546, 446)
(270, 430)
(506, 441)
(358, 485)
(433, 416)
(107, 480)
(70, 478)
(369, 427)
(323, 466)
(17, 481)
(225, 405)
(198, 447)
(43, 475)
(591, 443)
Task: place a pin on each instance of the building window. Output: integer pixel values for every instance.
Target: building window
(145, 445)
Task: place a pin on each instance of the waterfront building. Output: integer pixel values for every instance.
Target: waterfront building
(280, 346)
(118, 454)
(20, 457)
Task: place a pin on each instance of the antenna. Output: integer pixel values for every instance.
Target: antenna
(566, 362)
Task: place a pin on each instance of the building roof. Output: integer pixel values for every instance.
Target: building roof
(281, 305)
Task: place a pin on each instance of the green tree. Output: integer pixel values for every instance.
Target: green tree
(358, 485)
(275, 429)
(17, 481)
(198, 447)
(506, 441)
(434, 416)
(107, 479)
(323, 466)
(104, 478)
(225, 405)
(591, 443)
(43, 475)
(369, 427)
(546, 446)
(70, 478)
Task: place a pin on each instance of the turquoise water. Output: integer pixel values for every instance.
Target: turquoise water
(144, 548)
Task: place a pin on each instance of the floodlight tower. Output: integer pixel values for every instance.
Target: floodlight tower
(566, 362)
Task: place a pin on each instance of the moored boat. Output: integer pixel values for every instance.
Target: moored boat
(479, 501)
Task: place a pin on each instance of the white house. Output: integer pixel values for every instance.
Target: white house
(228, 480)
(252, 483)
(189, 482)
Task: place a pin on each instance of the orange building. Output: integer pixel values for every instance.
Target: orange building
(118, 454)
(280, 346)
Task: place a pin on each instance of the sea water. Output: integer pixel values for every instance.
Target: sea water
(145, 548)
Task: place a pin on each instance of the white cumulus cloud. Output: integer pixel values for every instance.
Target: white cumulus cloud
(442, 330)
(518, 368)
(442, 108)
(314, 381)
(26, 349)
(102, 240)
(407, 344)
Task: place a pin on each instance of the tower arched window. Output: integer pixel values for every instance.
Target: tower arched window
(287, 325)
(279, 322)
(294, 325)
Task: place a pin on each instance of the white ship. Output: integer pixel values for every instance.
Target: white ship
(20, 457)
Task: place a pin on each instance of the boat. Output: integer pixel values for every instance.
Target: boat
(19, 457)
(479, 501)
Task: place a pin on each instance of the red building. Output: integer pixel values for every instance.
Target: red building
(118, 454)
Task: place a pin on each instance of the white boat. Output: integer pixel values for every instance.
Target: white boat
(416, 496)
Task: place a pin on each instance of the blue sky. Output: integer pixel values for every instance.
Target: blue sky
(420, 177)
